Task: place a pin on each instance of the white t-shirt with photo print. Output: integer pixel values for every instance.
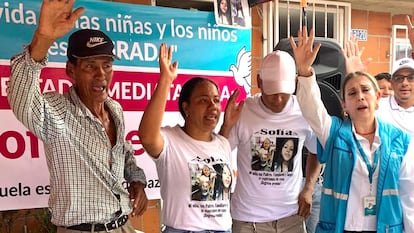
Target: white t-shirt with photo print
(191, 201)
(263, 195)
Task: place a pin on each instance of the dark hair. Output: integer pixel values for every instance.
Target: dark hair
(356, 74)
(227, 14)
(218, 183)
(187, 91)
(73, 60)
(277, 155)
(382, 76)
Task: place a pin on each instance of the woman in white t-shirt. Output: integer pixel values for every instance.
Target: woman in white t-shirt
(181, 152)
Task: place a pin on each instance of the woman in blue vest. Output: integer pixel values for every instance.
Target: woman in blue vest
(369, 175)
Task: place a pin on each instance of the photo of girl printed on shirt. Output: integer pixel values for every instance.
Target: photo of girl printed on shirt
(262, 154)
(210, 182)
(286, 150)
(274, 154)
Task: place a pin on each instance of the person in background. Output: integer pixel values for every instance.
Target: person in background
(82, 130)
(398, 109)
(368, 164)
(384, 83)
(179, 149)
(270, 200)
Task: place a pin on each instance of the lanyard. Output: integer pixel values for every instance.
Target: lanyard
(371, 169)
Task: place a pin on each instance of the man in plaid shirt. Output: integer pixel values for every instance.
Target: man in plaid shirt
(82, 130)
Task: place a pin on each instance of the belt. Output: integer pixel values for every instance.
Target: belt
(108, 227)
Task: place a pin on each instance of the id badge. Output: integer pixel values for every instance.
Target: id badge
(370, 205)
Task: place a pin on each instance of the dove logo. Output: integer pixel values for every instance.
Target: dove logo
(242, 70)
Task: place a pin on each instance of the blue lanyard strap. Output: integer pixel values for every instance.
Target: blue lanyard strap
(371, 169)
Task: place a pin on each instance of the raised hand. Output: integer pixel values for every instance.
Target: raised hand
(304, 52)
(57, 18)
(353, 54)
(168, 71)
(150, 126)
(232, 113)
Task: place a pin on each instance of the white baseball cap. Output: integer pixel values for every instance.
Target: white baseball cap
(278, 73)
(402, 64)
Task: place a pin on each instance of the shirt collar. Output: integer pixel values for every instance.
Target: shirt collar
(394, 106)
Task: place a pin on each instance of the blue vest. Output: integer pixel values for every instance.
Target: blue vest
(340, 155)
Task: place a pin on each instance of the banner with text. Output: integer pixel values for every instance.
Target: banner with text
(201, 47)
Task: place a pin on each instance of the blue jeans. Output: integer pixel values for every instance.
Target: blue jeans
(313, 219)
(173, 230)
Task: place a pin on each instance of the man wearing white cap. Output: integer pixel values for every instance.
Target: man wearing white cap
(268, 198)
(398, 109)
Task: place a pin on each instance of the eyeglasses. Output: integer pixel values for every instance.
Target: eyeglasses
(400, 78)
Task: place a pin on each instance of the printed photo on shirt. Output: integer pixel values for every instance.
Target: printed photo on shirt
(262, 153)
(285, 152)
(210, 182)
